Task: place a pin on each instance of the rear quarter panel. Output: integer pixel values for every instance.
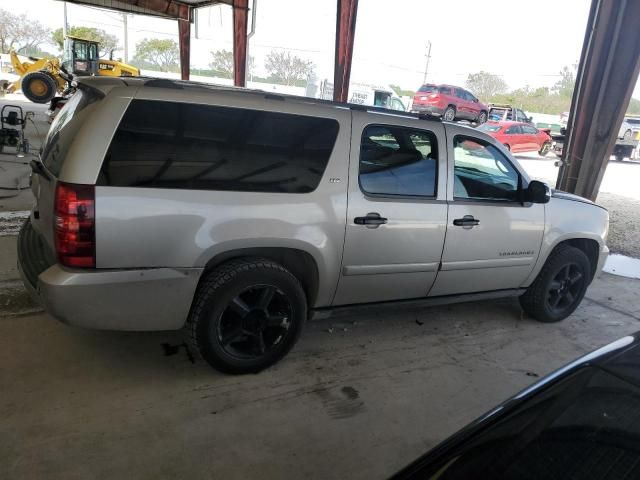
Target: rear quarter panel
(152, 227)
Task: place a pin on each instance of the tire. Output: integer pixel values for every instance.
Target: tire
(482, 118)
(563, 281)
(247, 314)
(449, 114)
(546, 146)
(39, 87)
(619, 158)
(627, 135)
(506, 145)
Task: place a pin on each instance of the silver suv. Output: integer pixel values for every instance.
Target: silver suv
(237, 214)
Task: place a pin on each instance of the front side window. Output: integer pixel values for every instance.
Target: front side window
(520, 116)
(396, 104)
(398, 161)
(202, 147)
(482, 172)
(529, 129)
(460, 94)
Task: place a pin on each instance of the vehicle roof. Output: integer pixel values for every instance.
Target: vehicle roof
(106, 84)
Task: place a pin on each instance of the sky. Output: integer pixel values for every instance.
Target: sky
(518, 40)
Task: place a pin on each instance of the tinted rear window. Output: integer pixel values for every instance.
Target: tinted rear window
(63, 129)
(428, 88)
(178, 145)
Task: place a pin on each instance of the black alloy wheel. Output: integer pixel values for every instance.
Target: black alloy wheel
(254, 322)
(564, 289)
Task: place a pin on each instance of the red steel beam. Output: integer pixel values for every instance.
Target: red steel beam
(184, 38)
(345, 33)
(240, 20)
(606, 76)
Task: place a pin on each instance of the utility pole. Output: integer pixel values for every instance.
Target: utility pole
(426, 67)
(126, 38)
(64, 24)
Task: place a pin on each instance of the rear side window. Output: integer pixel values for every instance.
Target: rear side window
(178, 145)
(445, 90)
(63, 129)
(398, 161)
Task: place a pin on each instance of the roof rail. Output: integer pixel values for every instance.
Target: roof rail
(180, 84)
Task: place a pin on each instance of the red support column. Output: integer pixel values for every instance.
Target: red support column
(184, 38)
(240, 16)
(345, 34)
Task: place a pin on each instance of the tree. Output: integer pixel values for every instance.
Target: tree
(19, 33)
(157, 53)
(222, 63)
(564, 86)
(485, 85)
(107, 41)
(286, 68)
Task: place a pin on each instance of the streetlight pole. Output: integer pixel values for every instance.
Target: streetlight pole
(426, 67)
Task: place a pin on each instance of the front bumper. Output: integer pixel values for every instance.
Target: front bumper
(602, 258)
(132, 299)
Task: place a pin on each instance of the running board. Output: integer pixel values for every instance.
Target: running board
(326, 312)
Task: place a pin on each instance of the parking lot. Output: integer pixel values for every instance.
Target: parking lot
(359, 396)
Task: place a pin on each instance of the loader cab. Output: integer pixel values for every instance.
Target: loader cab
(81, 56)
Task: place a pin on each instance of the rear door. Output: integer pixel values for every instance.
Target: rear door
(56, 146)
(532, 139)
(515, 138)
(462, 105)
(492, 239)
(397, 209)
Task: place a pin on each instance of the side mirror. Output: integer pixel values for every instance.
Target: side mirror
(537, 192)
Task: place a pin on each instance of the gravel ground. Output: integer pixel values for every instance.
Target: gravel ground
(624, 223)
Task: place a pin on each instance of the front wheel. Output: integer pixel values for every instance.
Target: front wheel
(627, 135)
(546, 146)
(39, 87)
(247, 315)
(482, 118)
(559, 287)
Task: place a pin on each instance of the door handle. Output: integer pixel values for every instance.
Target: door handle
(466, 221)
(371, 220)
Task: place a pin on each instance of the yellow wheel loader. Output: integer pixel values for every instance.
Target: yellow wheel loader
(41, 78)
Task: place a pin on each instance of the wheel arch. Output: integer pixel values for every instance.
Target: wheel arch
(299, 262)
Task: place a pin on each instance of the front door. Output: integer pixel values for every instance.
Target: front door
(493, 240)
(397, 209)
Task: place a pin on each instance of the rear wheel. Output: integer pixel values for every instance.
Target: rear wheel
(546, 146)
(39, 87)
(449, 114)
(247, 315)
(559, 287)
(506, 145)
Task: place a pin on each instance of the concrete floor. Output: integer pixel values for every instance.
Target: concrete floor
(359, 397)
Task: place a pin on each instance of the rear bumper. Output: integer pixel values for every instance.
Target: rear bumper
(430, 109)
(140, 299)
(149, 299)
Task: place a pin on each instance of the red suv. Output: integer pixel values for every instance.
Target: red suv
(450, 102)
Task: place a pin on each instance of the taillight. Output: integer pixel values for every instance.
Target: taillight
(75, 227)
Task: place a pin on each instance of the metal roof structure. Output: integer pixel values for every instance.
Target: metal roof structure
(610, 62)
